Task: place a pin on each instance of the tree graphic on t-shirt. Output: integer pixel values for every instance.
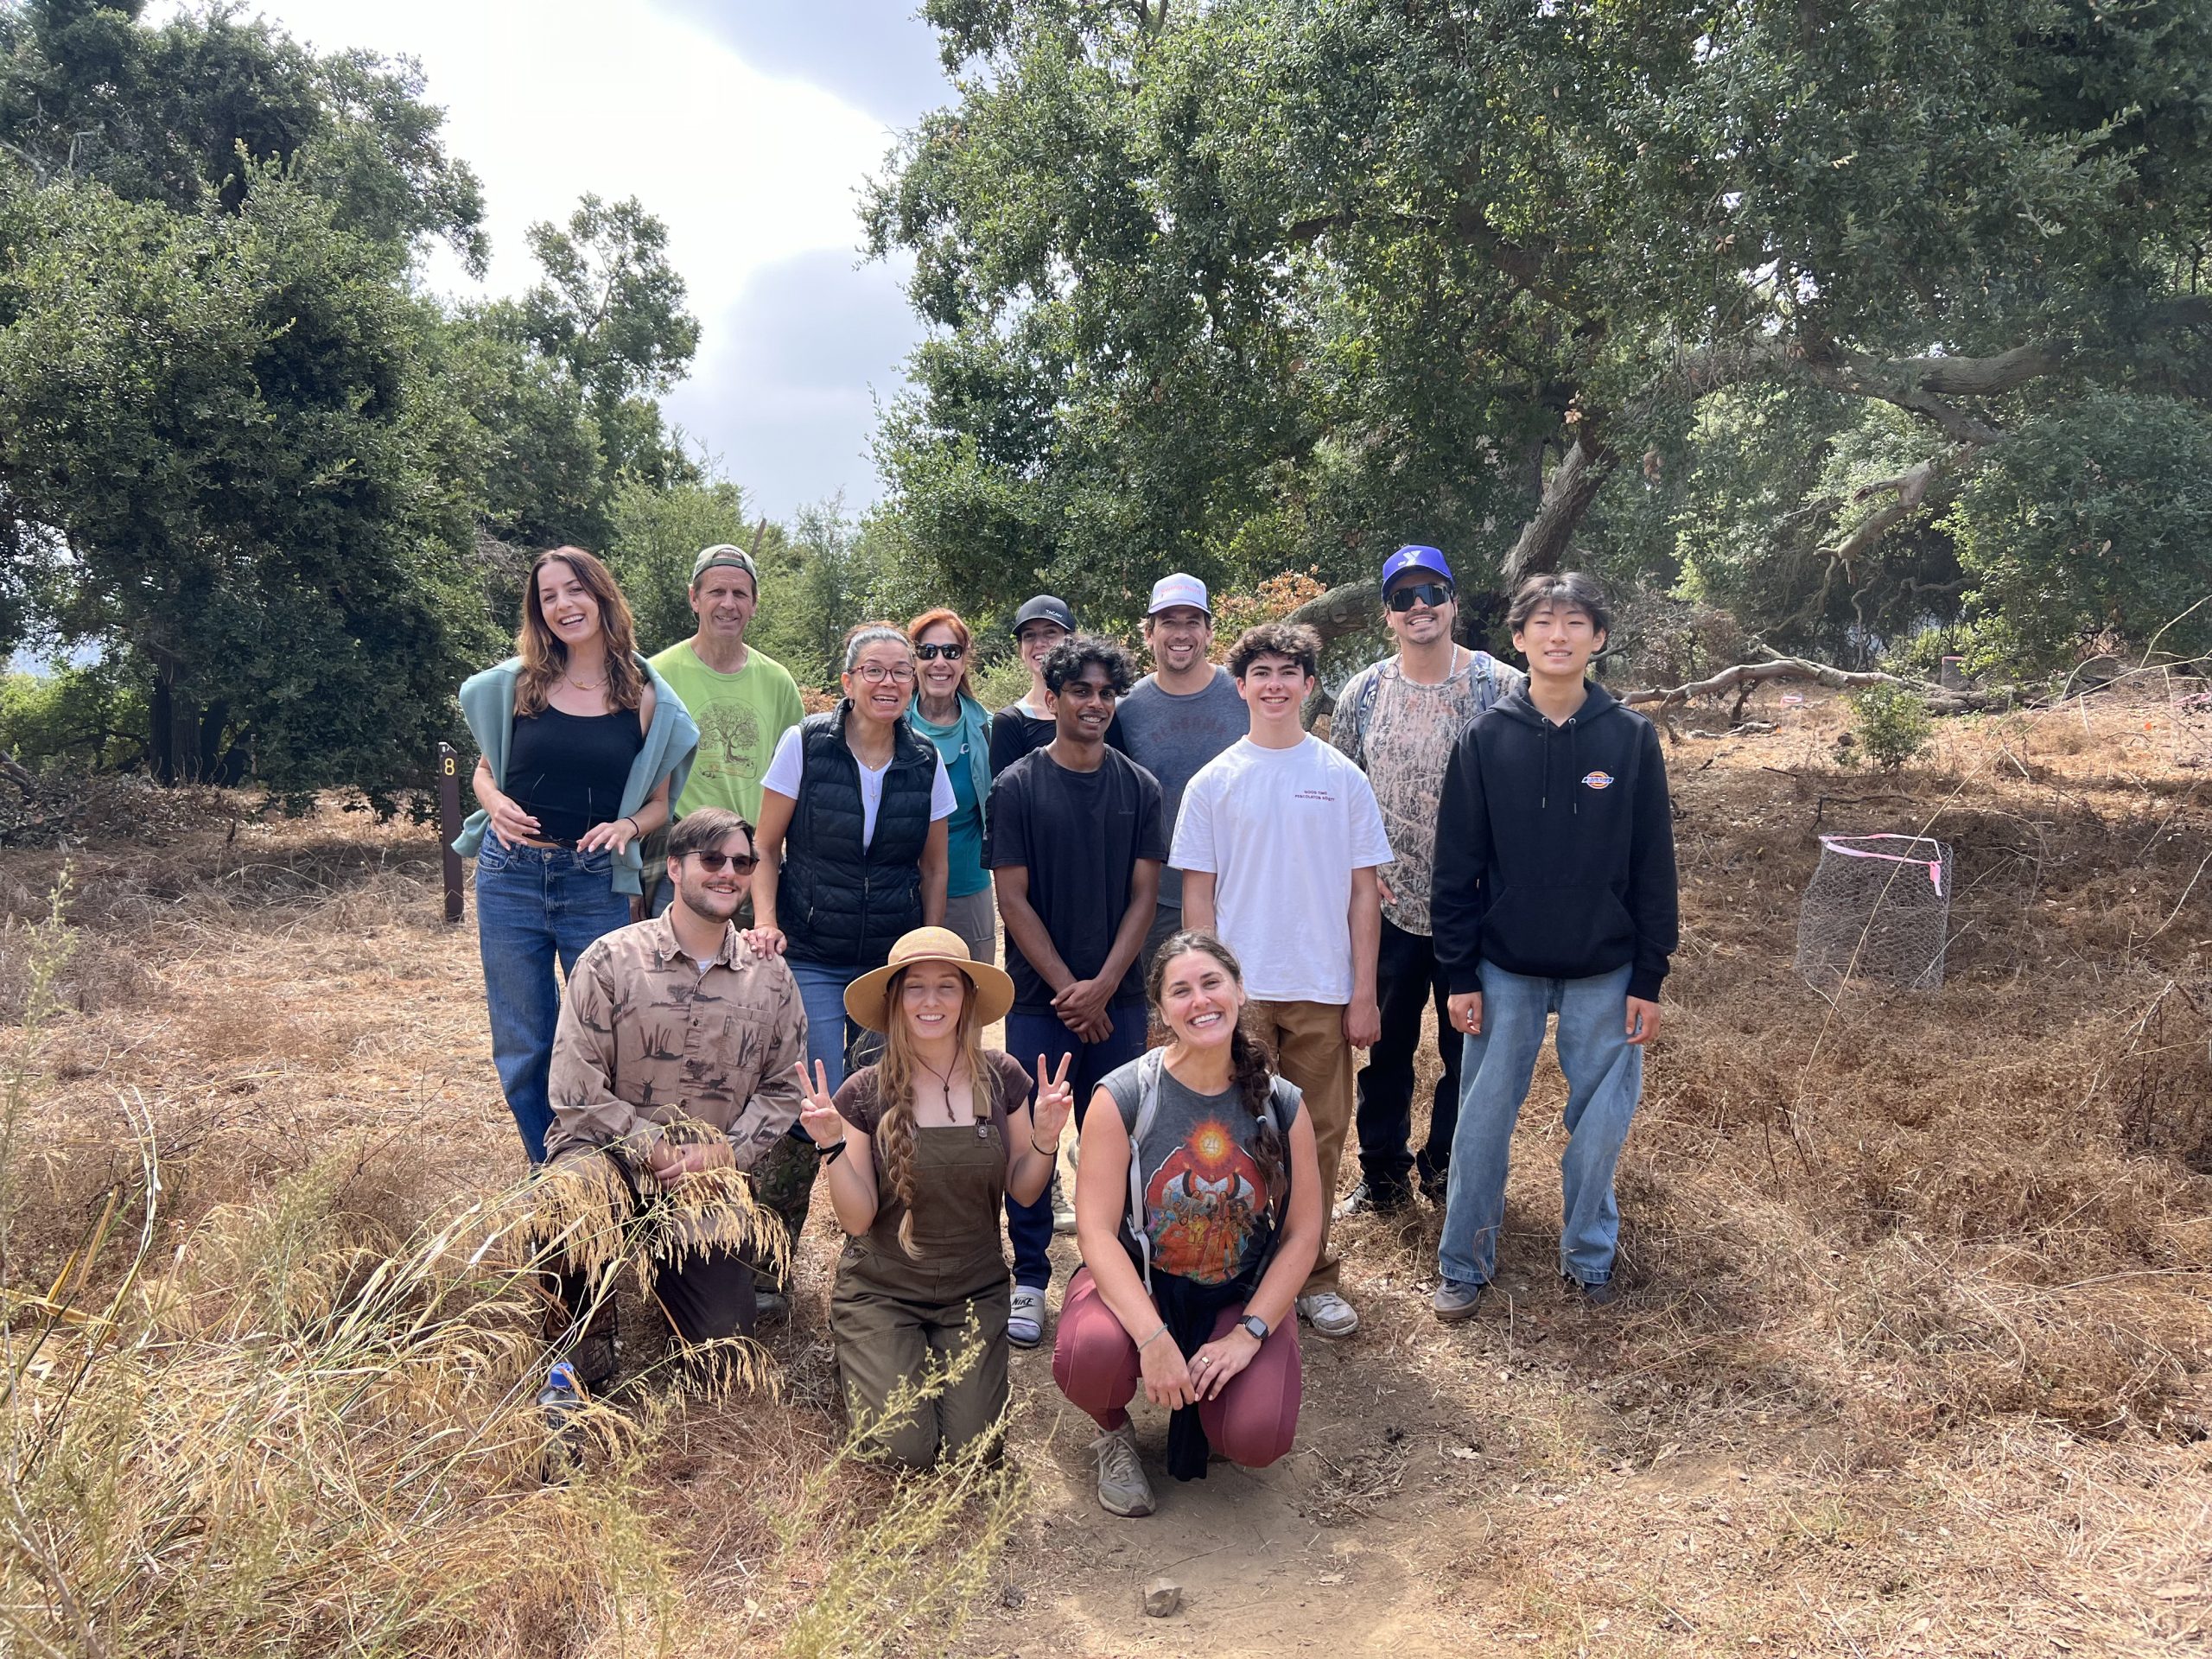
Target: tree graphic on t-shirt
(729, 740)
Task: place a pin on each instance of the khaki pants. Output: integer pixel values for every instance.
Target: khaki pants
(1308, 1039)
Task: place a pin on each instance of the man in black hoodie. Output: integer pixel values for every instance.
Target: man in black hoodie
(1554, 893)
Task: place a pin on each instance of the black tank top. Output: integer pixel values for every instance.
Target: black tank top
(568, 771)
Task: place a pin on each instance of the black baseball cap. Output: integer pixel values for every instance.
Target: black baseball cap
(1043, 608)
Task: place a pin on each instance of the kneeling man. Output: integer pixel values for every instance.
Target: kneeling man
(676, 1053)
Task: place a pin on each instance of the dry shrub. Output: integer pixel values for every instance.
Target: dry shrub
(1940, 1206)
(295, 1440)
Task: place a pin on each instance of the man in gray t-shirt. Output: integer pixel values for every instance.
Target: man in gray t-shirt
(1179, 716)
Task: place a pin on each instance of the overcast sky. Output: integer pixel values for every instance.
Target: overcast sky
(748, 126)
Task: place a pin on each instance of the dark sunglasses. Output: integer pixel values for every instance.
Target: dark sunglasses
(712, 863)
(931, 653)
(1419, 592)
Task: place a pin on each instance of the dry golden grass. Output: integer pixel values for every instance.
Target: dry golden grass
(1913, 1359)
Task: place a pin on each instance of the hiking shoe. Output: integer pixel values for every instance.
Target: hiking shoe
(1063, 1209)
(1122, 1489)
(1456, 1300)
(770, 1306)
(1025, 1318)
(1371, 1197)
(1328, 1313)
(1599, 1292)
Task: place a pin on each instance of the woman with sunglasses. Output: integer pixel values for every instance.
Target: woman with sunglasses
(582, 744)
(923, 1148)
(854, 809)
(945, 712)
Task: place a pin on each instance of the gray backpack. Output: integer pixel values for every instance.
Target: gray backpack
(1148, 1068)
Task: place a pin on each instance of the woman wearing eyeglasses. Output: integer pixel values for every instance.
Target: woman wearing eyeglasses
(854, 811)
(584, 745)
(945, 712)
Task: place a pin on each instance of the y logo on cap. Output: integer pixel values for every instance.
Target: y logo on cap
(1598, 780)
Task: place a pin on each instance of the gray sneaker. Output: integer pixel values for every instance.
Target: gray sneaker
(1122, 1489)
(1456, 1300)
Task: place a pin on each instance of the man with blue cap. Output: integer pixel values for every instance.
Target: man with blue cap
(1398, 721)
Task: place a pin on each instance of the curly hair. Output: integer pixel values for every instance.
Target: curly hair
(545, 659)
(1252, 1062)
(894, 1094)
(1079, 652)
(1292, 639)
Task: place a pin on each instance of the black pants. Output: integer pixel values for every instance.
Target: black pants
(1406, 981)
(706, 1295)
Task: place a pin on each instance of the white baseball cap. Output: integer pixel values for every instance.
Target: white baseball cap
(1178, 589)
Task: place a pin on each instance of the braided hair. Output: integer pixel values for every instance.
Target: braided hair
(1252, 1062)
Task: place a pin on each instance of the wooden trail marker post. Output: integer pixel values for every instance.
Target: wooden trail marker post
(449, 825)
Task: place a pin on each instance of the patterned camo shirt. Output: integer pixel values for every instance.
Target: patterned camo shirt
(1401, 734)
(646, 1037)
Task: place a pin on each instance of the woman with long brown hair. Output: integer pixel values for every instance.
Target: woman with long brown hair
(1198, 1209)
(922, 1148)
(945, 711)
(581, 747)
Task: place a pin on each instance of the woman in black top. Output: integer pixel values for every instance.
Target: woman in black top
(580, 742)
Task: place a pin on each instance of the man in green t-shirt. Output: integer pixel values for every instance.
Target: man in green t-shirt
(743, 702)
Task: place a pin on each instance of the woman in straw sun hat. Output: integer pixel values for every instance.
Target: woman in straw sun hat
(920, 1150)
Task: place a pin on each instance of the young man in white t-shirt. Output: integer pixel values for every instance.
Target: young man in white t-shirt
(1278, 840)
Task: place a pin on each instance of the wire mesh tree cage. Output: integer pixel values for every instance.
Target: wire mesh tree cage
(1878, 909)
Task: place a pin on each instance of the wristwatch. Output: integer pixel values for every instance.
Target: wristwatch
(1256, 1326)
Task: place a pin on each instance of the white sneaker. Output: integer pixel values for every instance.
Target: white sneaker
(1328, 1313)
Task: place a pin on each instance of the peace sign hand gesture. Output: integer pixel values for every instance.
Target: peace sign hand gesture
(1048, 1113)
(824, 1123)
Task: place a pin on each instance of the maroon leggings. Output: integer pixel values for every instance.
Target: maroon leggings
(1095, 1362)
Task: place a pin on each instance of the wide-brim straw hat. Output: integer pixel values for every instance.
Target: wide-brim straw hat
(868, 998)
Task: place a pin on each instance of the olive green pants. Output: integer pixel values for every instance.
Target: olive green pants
(894, 1352)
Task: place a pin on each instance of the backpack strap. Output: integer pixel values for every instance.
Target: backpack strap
(1362, 709)
(1148, 1110)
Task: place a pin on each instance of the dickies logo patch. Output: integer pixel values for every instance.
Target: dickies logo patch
(1596, 780)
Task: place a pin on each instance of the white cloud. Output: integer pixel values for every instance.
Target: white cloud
(553, 99)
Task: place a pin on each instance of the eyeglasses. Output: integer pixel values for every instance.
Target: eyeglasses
(931, 653)
(712, 863)
(1419, 592)
(876, 673)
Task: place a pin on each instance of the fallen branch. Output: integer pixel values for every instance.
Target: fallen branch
(1745, 677)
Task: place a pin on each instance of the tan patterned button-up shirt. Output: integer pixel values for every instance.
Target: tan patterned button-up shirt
(646, 1038)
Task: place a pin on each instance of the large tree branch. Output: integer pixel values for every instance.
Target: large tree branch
(1568, 492)
(1911, 488)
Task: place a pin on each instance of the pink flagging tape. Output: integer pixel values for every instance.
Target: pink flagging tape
(1934, 866)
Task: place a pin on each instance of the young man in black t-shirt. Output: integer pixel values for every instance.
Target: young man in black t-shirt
(1075, 837)
(1040, 627)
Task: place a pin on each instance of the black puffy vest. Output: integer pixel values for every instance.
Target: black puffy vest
(839, 902)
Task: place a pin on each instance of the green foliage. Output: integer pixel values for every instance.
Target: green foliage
(2092, 522)
(1891, 724)
(1267, 283)
(827, 576)
(90, 717)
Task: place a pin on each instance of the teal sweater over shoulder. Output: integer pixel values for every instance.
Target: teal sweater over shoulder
(487, 702)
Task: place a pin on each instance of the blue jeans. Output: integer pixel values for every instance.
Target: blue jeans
(1032, 1031)
(536, 905)
(829, 1033)
(1605, 1078)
